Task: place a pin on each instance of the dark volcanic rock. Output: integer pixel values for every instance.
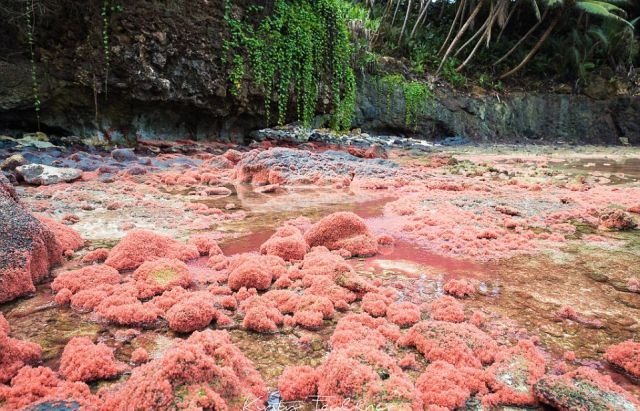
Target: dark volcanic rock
(28, 248)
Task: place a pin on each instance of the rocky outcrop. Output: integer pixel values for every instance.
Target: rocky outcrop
(28, 246)
(514, 117)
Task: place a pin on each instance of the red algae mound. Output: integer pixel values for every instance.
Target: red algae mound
(194, 312)
(625, 355)
(207, 244)
(96, 256)
(366, 377)
(156, 276)
(343, 230)
(404, 314)
(298, 383)
(459, 288)
(139, 246)
(287, 243)
(458, 344)
(261, 315)
(444, 385)
(86, 278)
(583, 390)
(82, 360)
(14, 354)
(68, 238)
(206, 371)
(447, 309)
(254, 271)
(120, 306)
(617, 219)
(139, 356)
(34, 386)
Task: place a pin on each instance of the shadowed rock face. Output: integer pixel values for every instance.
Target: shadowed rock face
(27, 248)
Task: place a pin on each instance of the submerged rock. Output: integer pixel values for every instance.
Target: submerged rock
(44, 175)
(584, 389)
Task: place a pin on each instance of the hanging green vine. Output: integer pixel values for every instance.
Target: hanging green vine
(30, 19)
(418, 96)
(298, 54)
(105, 41)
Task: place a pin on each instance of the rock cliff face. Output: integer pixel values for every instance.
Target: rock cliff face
(543, 118)
(167, 79)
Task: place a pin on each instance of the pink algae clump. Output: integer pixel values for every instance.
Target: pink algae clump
(365, 376)
(287, 243)
(206, 371)
(261, 315)
(39, 385)
(86, 278)
(343, 230)
(139, 246)
(298, 383)
(14, 354)
(96, 256)
(409, 361)
(121, 306)
(139, 356)
(459, 288)
(68, 238)
(444, 385)
(192, 313)
(447, 309)
(311, 320)
(375, 304)
(156, 276)
(458, 344)
(617, 219)
(404, 313)
(254, 271)
(625, 355)
(207, 244)
(82, 360)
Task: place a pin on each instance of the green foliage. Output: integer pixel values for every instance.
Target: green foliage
(298, 54)
(418, 96)
(29, 18)
(452, 75)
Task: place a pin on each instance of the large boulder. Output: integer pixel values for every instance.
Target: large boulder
(28, 246)
(41, 174)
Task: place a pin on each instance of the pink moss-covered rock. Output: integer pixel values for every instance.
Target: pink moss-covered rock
(514, 373)
(86, 278)
(404, 314)
(617, 219)
(583, 389)
(183, 378)
(139, 246)
(360, 329)
(298, 383)
(315, 303)
(458, 344)
(14, 354)
(287, 243)
(625, 355)
(32, 386)
(192, 313)
(68, 238)
(459, 288)
(375, 304)
(82, 360)
(447, 309)
(156, 276)
(409, 361)
(343, 230)
(29, 247)
(96, 256)
(253, 271)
